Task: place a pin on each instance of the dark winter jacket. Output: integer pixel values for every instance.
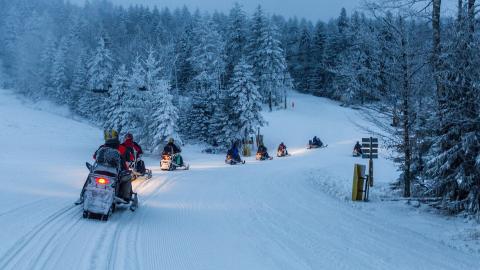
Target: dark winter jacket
(171, 149)
(234, 153)
(262, 149)
(358, 148)
(317, 141)
(120, 148)
(282, 147)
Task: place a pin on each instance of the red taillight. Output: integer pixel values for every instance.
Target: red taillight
(102, 181)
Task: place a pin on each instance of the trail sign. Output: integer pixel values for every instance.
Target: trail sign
(370, 148)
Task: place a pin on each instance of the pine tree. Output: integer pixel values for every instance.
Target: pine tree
(137, 79)
(100, 68)
(318, 76)
(304, 69)
(164, 121)
(79, 83)
(183, 73)
(273, 79)
(117, 112)
(456, 152)
(236, 41)
(246, 103)
(59, 73)
(208, 65)
(152, 70)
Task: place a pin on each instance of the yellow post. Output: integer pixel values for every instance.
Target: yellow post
(246, 150)
(358, 178)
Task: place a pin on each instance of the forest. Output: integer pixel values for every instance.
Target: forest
(206, 77)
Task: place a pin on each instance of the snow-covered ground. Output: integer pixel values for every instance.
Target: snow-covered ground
(288, 213)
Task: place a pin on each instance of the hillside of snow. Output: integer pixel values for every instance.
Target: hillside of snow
(288, 213)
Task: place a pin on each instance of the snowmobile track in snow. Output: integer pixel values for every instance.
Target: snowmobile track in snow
(16, 250)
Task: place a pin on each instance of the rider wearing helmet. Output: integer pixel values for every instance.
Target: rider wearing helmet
(111, 141)
(172, 149)
(133, 148)
(282, 148)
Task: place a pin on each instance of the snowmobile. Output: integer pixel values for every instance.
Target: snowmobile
(260, 156)
(167, 163)
(230, 160)
(102, 193)
(356, 153)
(138, 168)
(312, 145)
(282, 153)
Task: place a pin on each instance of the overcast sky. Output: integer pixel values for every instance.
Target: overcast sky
(310, 9)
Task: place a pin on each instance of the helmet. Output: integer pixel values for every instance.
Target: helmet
(170, 140)
(110, 136)
(128, 136)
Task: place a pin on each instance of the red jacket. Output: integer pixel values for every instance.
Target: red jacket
(131, 147)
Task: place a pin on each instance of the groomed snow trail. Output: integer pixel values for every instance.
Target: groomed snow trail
(288, 213)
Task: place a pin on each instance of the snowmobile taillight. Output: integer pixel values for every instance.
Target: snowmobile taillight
(102, 181)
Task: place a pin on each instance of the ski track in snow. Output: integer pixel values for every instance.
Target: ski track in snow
(287, 213)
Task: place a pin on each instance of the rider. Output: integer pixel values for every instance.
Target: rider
(283, 149)
(357, 148)
(111, 141)
(134, 151)
(172, 149)
(132, 147)
(234, 153)
(316, 141)
(263, 151)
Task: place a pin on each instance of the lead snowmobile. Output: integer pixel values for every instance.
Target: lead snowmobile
(107, 186)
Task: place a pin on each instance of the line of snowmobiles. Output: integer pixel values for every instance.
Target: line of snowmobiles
(107, 185)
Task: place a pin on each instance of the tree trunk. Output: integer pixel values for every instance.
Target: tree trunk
(436, 52)
(460, 12)
(471, 16)
(405, 111)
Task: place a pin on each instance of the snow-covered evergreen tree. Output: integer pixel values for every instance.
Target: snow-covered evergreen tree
(117, 112)
(59, 79)
(236, 40)
(152, 70)
(163, 123)
(454, 164)
(245, 103)
(208, 65)
(271, 60)
(100, 68)
(137, 79)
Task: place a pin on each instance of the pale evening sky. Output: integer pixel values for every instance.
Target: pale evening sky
(311, 9)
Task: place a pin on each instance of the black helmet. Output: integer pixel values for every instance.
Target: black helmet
(128, 136)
